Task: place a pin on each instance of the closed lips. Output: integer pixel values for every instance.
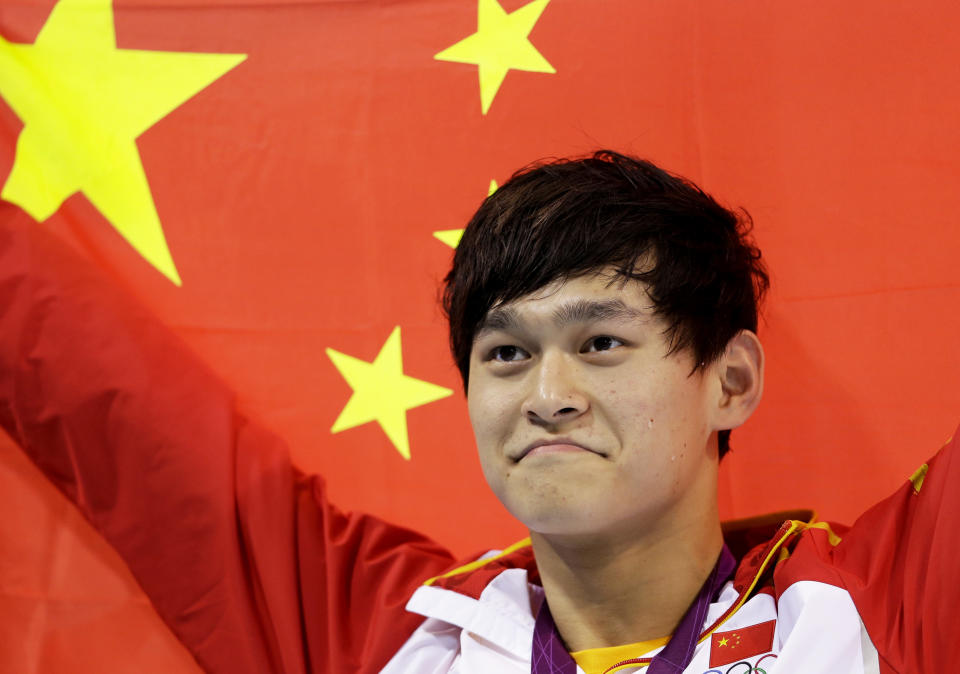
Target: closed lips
(554, 446)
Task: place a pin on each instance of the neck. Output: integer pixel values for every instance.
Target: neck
(629, 587)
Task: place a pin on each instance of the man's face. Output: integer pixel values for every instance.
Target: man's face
(584, 425)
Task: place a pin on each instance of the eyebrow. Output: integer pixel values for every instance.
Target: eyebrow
(571, 313)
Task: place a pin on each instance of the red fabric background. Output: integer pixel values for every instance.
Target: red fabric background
(298, 194)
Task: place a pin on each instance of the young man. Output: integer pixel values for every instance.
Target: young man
(602, 314)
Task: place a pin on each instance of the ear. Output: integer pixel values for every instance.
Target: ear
(740, 372)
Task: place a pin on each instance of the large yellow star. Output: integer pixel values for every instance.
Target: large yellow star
(83, 103)
(452, 237)
(382, 392)
(500, 44)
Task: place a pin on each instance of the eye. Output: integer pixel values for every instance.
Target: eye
(507, 353)
(601, 343)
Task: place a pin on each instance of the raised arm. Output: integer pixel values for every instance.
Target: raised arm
(900, 564)
(240, 553)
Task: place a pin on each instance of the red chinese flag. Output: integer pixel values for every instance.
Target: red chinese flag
(281, 184)
(736, 645)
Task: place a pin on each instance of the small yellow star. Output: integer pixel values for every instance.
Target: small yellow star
(83, 103)
(382, 392)
(452, 237)
(500, 44)
(917, 478)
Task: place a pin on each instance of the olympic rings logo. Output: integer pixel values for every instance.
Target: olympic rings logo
(745, 667)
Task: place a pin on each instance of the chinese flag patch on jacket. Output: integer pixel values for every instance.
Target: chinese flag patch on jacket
(735, 645)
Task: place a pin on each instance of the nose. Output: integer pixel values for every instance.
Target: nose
(556, 393)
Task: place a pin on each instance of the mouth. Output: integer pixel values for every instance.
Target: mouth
(554, 446)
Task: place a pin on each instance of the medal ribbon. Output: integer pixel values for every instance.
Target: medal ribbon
(550, 656)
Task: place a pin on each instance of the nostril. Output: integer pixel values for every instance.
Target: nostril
(566, 410)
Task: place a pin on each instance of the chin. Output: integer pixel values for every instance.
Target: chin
(566, 518)
(556, 504)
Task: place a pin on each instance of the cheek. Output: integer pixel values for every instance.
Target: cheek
(491, 413)
(681, 404)
(665, 421)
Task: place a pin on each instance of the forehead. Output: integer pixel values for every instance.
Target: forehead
(601, 296)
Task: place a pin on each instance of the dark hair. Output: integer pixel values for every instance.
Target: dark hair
(565, 218)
